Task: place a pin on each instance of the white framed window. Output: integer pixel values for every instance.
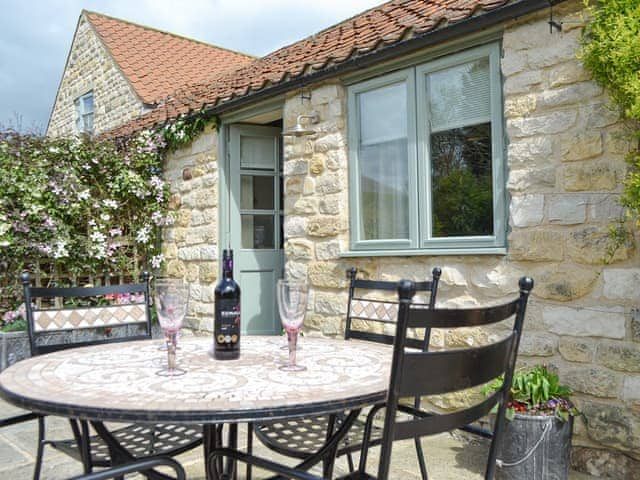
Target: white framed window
(426, 150)
(84, 113)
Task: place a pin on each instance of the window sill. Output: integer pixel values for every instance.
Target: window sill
(425, 252)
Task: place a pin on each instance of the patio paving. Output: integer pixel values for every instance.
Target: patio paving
(449, 457)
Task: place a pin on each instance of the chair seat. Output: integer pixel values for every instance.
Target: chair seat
(139, 440)
(301, 437)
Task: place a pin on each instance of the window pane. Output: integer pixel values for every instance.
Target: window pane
(460, 95)
(383, 114)
(87, 102)
(88, 122)
(257, 231)
(256, 192)
(384, 191)
(383, 163)
(461, 182)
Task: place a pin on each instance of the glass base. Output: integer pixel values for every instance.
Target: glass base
(292, 368)
(175, 372)
(162, 347)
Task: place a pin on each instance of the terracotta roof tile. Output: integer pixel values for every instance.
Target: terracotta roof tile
(157, 63)
(375, 29)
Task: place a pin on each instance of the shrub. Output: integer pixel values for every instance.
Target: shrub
(79, 206)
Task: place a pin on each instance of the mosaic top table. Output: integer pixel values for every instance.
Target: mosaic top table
(118, 383)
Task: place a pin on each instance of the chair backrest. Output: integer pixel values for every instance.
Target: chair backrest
(69, 309)
(368, 312)
(450, 371)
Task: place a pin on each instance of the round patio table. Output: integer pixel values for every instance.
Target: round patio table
(118, 382)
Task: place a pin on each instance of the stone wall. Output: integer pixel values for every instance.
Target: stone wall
(565, 166)
(190, 244)
(90, 67)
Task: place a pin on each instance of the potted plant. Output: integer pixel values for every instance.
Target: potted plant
(14, 342)
(536, 441)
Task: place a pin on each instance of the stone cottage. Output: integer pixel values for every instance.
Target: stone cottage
(461, 134)
(117, 70)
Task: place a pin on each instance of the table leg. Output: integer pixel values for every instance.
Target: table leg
(213, 437)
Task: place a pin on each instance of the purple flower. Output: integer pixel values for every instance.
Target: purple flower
(49, 223)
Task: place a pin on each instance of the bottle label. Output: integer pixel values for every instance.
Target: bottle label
(227, 327)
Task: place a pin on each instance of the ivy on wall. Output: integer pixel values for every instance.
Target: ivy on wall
(611, 51)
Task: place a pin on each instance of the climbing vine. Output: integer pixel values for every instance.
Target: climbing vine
(611, 51)
(183, 130)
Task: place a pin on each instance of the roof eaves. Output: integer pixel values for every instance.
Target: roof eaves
(366, 57)
(411, 40)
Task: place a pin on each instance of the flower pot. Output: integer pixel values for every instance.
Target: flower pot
(14, 346)
(535, 448)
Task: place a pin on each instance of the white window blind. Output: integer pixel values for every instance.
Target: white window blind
(460, 95)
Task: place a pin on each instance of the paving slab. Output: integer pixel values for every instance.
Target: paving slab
(448, 456)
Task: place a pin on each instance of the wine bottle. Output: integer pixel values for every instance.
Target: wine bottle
(226, 327)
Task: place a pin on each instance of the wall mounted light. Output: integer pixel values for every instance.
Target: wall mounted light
(299, 130)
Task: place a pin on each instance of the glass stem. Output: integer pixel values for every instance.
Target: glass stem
(171, 350)
(292, 338)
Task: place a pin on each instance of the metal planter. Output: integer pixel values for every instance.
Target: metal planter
(14, 346)
(535, 448)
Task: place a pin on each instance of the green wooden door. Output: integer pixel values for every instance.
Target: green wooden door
(255, 220)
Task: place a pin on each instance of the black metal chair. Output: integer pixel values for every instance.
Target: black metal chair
(139, 466)
(48, 313)
(371, 316)
(417, 373)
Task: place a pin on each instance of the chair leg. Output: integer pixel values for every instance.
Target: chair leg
(249, 447)
(421, 462)
(82, 439)
(497, 433)
(85, 448)
(40, 449)
(352, 467)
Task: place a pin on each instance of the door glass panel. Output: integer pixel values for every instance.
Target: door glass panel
(257, 152)
(257, 231)
(256, 192)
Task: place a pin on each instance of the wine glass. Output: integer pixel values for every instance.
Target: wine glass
(292, 304)
(171, 297)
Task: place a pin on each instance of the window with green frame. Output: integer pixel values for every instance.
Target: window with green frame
(426, 147)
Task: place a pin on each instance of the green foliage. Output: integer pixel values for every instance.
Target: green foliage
(79, 207)
(462, 204)
(19, 325)
(536, 391)
(184, 130)
(611, 51)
